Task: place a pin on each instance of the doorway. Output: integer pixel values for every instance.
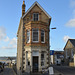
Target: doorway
(35, 64)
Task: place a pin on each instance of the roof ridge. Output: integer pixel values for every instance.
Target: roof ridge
(71, 39)
(39, 7)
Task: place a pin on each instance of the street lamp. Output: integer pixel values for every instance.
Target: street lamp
(53, 28)
(49, 41)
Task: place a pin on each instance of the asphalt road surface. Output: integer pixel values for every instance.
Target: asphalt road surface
(65, 70)
(7, 71)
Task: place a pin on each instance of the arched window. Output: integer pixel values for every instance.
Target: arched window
(28, 36)
(42, 36)
(35, 35)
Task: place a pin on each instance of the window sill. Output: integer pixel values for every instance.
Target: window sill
(28, 42)
(35, 41)
(42, 42)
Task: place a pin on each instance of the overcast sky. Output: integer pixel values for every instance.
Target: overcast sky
(63, 18)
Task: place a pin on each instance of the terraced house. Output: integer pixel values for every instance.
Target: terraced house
(33, 39)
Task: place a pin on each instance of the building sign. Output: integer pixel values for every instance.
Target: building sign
(51, 52)
(35, 53)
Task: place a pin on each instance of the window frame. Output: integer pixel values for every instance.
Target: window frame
(72, 53)
(33, 16)
(44, 36)
(32, 35)
(29, 36)
(42, 59)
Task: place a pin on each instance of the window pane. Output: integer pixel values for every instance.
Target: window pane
(28, 36)
(42, 56)
(42, 39)
(42, 63)
(42, 59)
(35, 16)
(42, 35)
(35, 34)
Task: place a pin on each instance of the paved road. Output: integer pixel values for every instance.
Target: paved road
(7, 71)
(65, 70)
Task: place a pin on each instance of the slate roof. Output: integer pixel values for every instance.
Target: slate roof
(39, 7)
(72, 41)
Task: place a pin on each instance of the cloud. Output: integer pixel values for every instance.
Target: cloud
(13, 41)
(2, 33)
(72, 3)
(8, 47)
(71, 23)
(6, 39)
(74, 13)
(11, 45)
(66, 38)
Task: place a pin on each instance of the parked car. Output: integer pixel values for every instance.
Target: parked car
(1, 68)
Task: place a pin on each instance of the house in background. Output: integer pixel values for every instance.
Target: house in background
(56, 57)
(33, 53)
(69, 51)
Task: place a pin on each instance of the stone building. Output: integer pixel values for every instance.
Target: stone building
(69, 51)
(33, 39)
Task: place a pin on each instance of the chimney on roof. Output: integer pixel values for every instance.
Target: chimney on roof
(23, 8)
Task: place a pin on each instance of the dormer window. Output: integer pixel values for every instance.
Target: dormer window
(35, 16)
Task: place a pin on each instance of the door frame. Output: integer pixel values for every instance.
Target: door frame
(38, 62)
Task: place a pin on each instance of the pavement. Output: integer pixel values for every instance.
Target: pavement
(64, 70)
(58, 70)
(8, 71)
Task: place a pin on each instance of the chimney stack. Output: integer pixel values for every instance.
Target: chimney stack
(23, 8)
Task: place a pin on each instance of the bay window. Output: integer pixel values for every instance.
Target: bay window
(28, 36)
(35, 35)
(42, 36)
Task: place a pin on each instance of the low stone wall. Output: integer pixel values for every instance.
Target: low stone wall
(71, 64)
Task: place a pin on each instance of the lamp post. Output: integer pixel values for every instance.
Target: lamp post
(52, 29)
(49, 40)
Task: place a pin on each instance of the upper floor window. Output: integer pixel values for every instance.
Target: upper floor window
(72, 53)
(42, 36)
(35, 16)
(35, 35)
(28, 36)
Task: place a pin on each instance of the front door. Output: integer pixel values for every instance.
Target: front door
(35, 63)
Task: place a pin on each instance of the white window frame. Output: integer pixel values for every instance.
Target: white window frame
(29, 36)
(38, 35)
(44, 37)
(33, 16)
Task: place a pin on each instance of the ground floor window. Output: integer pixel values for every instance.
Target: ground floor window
(28, 63)
(42, 59)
